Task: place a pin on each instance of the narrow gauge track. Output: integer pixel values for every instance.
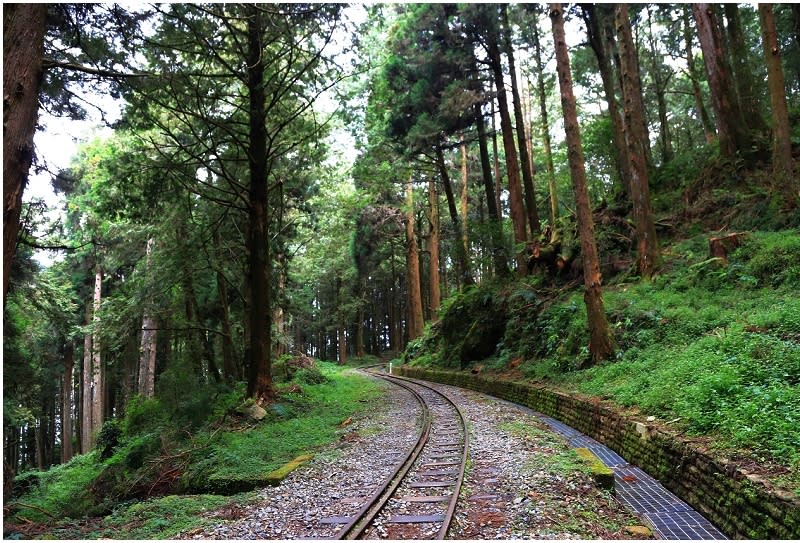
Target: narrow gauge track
(419, 498)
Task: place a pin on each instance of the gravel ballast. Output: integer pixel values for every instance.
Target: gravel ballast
(523, 481)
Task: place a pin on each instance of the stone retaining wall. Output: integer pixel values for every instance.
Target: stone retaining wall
(739, 504)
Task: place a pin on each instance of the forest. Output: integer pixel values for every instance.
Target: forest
(602, 198)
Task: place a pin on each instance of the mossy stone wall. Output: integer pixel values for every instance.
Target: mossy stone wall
(739, 504)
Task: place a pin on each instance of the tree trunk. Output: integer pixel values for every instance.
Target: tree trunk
(742, 73)
(600, 343)
(414, 291)
(148, 344)
(781, 133)
(435, 287)
(66, 402)
(86, 389)
(495, 225)
(461, 256)
(600, 33)
(518, 216)
(230, 366)
(731, 129)
(97, 360)
(524, 156)
(548, 148)
(341, 343)
(23, 48)
(496, 159)
(464, 196)
(661, 90)
(278, 314)
(705, 119)
(646, 241)
(259, 383)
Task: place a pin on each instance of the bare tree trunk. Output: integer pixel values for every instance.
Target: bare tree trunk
(23, 48)
(518, 215)
(97, 361)
(496, 159)
(230, 367)
(435, 287)
(66, 402)
(86, 389)
(278, 314)
(781, 133)
(646, 241)
(464, 196)
(742, 74)
(730, 126)
(259, 382)
(148, 344)
(464, 270)
(661, 91)
(600, 33)
(524, 158)
(548, 148)
(499, 257)
(600, 343)
(708, 126)
(415, 317)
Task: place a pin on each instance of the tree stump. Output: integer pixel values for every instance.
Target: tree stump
(719, 247)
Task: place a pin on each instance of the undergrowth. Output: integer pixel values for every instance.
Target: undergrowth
(149, 459)
(715, 346)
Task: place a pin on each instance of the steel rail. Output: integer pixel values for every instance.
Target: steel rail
(364, 516)
(375, 504)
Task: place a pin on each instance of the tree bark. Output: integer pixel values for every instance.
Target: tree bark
(743, 79)
(230, 367)
(434, 285)
(548, 148)
(66, 402)
(148, 344)
(660, 90)
(524, 156)
(518, 215)
(646, 241)
(464, 196)
(600, 343)
(498, 185)
(413, 287)
(708, 126)
(461, 256)
(259, 383)
(499, 257)
(86, 388)
(731, 130)
(23, 48)
(600, 32)
(781, 133)
(278, 314)
(97, 360)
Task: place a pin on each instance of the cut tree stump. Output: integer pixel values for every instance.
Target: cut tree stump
(719, 247)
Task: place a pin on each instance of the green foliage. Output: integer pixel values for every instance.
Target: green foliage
(163, 518)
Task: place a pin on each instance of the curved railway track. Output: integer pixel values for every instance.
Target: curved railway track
(419, 499)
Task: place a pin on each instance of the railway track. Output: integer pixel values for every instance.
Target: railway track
(419, 499)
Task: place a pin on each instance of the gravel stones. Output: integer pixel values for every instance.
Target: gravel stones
(523, 482)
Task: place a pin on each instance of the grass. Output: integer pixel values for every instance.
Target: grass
(226, 458)
(715, 346)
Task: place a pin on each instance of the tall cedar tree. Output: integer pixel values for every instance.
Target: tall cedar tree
(488, 31)
(781, 134)
(646, 242)
(600, 343)
(526, 160)
(416, 321)
(731, 129)
(23, 48)
(688, 37)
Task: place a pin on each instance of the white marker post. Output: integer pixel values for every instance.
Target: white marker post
(390, 368)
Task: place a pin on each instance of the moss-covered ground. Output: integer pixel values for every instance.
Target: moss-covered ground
(149, 480)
